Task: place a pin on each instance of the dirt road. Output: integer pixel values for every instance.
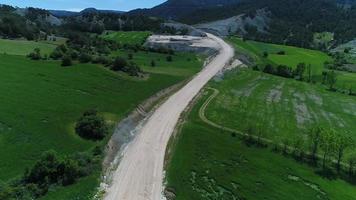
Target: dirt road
(140, 173)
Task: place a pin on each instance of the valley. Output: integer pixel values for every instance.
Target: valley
(178, 100)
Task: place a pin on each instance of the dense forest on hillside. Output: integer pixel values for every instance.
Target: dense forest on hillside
(35, 24)
(293, 21)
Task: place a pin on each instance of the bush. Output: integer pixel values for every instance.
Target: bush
(56, 54)
(91, 126)
(169, 58)
(35, 55)
(101, 60)
(281, 53)
(85, 58)
(66, 61)
(119, 64)
(130, 56)
(153, 63)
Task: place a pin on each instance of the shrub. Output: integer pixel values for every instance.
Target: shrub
(91, 126)
(281, 53)
(169, 58)
(35, 55)
(153, 63)
(66, 61)
(119, 64)
(130, 56)
(85, 58)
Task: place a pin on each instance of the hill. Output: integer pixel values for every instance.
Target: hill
(175, 9)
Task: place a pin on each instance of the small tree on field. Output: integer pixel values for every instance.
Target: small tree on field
(35, 55)
(66, 61)
(130, 56)
(352, 163)
(342, 143)
(314, 135)
(119, 64)
(331, 79)
(169, 58)
(85, 58)
(91, 126)
(153, 63)
(265, 54)
(299, 71)
(328, 145)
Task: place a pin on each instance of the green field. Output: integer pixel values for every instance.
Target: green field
(41, 101)
(208, 163)
(24, 47)
(130, 38)
(285, 108)
(183, 63)
(293, 56)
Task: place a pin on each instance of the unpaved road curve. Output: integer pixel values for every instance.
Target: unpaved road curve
(139, 175)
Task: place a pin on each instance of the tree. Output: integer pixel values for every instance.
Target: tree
(331, 79)
(66, 61)
(119, 64)
(35, 55)
(265, 54)
(352, 163)
(269, 69)
(342, 143)
(309, 71)
(299, 71)
(153, 63)
(85, 58)
(91, 126)
(130, 56)
(285, 71)
(169, 58)
(314, 135)
(328, 145)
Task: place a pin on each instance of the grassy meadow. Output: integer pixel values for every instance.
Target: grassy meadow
(284, 108)
(41, 101)
(130, 38)
(207, 163)
(183, 63)
(24, 47)
(293, 56)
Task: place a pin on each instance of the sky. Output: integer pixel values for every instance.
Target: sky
(77, 5)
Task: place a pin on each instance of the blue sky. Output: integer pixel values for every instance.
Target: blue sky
(76, 5)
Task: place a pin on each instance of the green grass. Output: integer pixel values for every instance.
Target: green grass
(130, 38)
(294, 55)
(24, 47)
(207, 163)
(41, 101)
(183, 63)
(285, 108)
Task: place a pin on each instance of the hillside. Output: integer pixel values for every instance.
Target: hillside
(175, 9)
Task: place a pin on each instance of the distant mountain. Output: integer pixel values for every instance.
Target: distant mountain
(174, 9)
(64, 13)
(94, 10)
